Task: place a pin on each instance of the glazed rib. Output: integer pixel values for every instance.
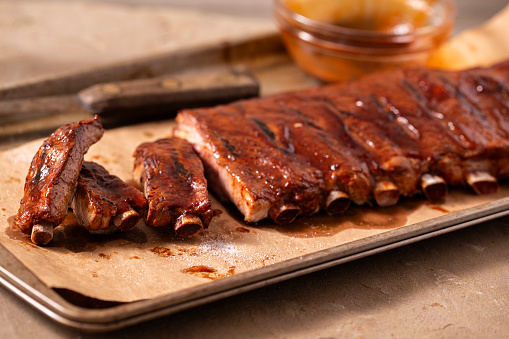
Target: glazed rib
(345, 177)
(103, 203)
(395, 133)
(171, 175)
(52, 178)
(244, 164)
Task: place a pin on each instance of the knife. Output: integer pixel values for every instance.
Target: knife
(127, 102)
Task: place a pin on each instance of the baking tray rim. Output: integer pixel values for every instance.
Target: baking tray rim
(30, 289)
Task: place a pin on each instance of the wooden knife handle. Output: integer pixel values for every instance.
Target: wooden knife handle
(170, 92)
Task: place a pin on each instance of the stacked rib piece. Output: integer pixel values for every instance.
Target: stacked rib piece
(387, 135)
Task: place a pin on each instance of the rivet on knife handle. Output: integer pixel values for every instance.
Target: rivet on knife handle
(171, 92)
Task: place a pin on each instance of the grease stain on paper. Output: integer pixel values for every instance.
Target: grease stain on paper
(208, 272)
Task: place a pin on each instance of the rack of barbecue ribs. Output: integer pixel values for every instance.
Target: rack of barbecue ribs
(172, 178)
(390, 134)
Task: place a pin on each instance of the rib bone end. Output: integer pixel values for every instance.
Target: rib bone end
(126, 220)
(42, 233)
(482, 182)
(337, 202)
(284, 213)
(386, 193)
(433, 186)
(188, 225)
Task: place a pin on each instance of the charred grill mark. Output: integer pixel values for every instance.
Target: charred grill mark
(306, 120)
(393, 114)
(180, 167)
(229, 147)
(264, 128)
(39, 170)
(381, 108)
(464, 101)
(371, 145)
(436, 116)
(420, 98)
(495, 88)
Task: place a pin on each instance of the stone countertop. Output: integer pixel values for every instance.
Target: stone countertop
(454, 285)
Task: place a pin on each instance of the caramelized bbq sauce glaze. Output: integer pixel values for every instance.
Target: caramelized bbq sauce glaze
(53, 173)
(107, 195)
(173, 181)
(268, 172)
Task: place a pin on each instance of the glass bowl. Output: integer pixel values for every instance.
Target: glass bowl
(338, 40)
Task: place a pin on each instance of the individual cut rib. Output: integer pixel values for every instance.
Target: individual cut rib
(171, 175)
(52, 178)
(399, 132)
(103, 203)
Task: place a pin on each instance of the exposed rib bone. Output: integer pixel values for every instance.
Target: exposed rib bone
(42, 233)
(336, 202)
(188, 225)
(126, 220)
(386, 193)
(283, 213)
(482, 182)
(433, 186)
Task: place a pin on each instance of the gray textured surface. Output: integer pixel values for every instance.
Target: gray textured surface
(456, 285)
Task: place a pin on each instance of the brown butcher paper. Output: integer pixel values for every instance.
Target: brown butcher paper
(147, 263)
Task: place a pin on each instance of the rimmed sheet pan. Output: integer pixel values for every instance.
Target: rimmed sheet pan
(265, 57)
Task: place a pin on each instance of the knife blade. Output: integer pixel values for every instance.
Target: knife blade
(127, 102)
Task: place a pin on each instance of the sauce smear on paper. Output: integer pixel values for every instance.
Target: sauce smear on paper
(359, 217)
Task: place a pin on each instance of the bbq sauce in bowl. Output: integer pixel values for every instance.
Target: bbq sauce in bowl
(338, 40)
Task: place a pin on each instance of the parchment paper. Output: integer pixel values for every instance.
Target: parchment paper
(147, 263)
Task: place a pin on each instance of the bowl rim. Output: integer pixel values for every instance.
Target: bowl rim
(326, 29)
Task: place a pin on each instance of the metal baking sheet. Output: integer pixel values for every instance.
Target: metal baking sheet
(15, 277)
(276, 73)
